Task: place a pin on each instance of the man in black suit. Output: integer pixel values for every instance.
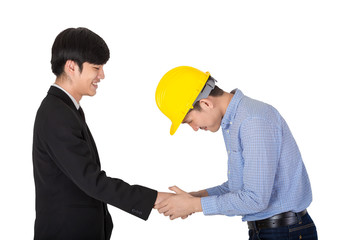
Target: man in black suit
(72, 192)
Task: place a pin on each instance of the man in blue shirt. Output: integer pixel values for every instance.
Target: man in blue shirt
(267, 181)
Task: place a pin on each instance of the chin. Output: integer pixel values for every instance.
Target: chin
(92, 94)
(214, 130)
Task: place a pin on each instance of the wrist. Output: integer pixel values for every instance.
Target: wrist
(204, 193)
(197, 204)
(201, 193)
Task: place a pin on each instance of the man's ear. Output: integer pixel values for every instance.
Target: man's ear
(70, 67)
(206, 103)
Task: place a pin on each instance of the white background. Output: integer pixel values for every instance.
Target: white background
(302, 57)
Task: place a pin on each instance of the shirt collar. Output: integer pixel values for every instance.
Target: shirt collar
(232, 107)
(77, 105)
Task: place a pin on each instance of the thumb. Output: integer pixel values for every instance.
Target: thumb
(176, 190)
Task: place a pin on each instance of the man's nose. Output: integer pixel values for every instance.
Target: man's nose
(194, 127)
(101, 74)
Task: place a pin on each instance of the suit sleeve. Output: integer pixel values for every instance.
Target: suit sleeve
(64, 135)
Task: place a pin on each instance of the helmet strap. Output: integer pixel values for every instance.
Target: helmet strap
(205, 92)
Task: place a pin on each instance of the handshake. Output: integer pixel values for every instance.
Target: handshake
(179, 204)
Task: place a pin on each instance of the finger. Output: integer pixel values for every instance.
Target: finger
(176, 189)
(168, 213)
(173, 217)
(161, 204)
(163, 210)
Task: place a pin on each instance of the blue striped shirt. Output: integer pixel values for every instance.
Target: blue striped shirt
(266, 174)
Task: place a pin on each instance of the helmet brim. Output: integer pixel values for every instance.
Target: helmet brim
(174, 127)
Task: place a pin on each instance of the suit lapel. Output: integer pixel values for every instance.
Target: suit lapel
(63, 96)
(66, 99)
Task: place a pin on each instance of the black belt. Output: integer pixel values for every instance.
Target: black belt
(279, 220)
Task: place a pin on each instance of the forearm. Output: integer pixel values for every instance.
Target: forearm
(200, 194)
(218, 190)
(196, 204)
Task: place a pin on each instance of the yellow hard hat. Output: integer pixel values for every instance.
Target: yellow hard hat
(177, 91)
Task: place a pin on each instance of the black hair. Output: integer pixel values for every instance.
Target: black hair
(214, 93)
(79, 45)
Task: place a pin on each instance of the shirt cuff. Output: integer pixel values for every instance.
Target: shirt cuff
(209, 205)
(212, 191)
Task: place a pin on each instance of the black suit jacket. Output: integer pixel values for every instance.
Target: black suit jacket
(71, 189)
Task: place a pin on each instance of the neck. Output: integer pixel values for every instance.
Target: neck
(67, 85)
(223, 102)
